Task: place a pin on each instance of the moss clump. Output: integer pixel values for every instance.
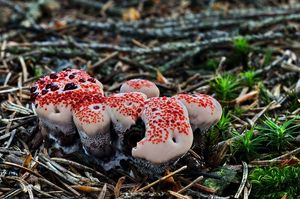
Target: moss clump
(276, 182)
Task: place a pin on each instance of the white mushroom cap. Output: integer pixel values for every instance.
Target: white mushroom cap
(168, 131)
(56, 94)
(92, 120)
(204, 111)
(140, 85)
(125, 108)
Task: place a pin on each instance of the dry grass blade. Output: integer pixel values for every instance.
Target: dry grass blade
(17, 119)
(11, 194)
(85, 188)
(12, 135)
(24, 185)
(7, 105)
(54, 186)
(102, 61)
(118, 186)
(50, 167)
(190, 185)
(161, 179)
(69, 187)
(43, 193)
(178, 195)
(199, 186)
(21, 167)
(293, 152)
(103, 192)
(24, 69)
(10, 90)
(80, 166)
(11, 151)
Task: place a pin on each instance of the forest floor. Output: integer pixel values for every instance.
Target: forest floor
(244, 53)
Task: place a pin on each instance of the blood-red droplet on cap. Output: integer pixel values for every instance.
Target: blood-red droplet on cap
(53, 76)
(70, 86)
(44, 92)
(54, 87)
(33, 89)
(92, 80)
(34, 95)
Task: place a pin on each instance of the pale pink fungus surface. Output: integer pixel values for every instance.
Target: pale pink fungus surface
(168, 131)
(204, 110)
(140, 85)
(125, 108)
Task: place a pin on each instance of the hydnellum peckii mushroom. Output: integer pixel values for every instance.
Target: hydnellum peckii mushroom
(140, 85)
(204, 110)
(92, 120)
(124, 110)
(168, 134)
(54, 97)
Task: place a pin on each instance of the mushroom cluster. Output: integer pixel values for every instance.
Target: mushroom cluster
(71, 104)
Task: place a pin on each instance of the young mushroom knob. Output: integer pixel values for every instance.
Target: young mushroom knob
(204, 110)
(140, 85)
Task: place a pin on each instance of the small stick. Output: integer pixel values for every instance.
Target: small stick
(293, 152)
(54, 186)
(199, 186)
(103, 192)
(102, 61)
(40, 191)
(161, 179)
(178, 195)
(69, 187)
(191, 184)
(80, 166)
(12, 135)
(21, 167)
(244, 179)
(265, 162)
(257, 116)
(24, 68)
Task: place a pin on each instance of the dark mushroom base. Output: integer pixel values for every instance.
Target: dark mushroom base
(98, 146)
(67, 142)
(146, 167)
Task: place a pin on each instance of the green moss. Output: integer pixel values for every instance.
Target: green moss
(249, 78)
(227, 176)
(263, 94)
(278, 136)
(38, 72)
(238, 111)
(225, 86)
(241, 45)
(268, 57)
(246, 147)
(275, 182)
(211, 64)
